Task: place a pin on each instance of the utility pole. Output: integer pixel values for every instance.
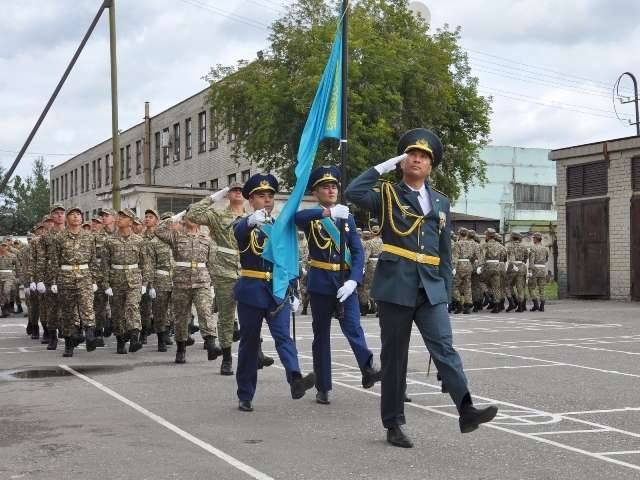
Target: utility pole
(115, 135)
(625, 100)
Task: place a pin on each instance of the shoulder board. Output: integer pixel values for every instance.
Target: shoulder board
(441, 193)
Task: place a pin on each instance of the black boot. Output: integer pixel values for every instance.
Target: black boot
(190, 341)
(162, 341)
(5, 311)
(12, 307)
(263, 360)
(370, 375)
(236, 331)
(45, 335)
(134, 342)
(108, 327)
(143, 336)
(496, 308)
(322, 398)
(521, 307)
(502, 305)
(226, 367)
(535, 307)
(245, 406)
(53, 339)
(300, 384)
(181, 353)
(29, 328)
(69, 344)
(458, 309)
(471, 417)
(512, 304)
(99, 337)
(477, 306)
(397, 438)
(90, 334)
(467, 308)
(35, 332)
(452, 306)
(542, 305)
(193, 328)
(77, 337)
(19, 308)
(122, 345)
(213, 349)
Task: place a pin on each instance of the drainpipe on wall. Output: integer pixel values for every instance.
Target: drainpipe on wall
(146, 151)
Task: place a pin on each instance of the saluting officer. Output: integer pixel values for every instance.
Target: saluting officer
(324, 282)
(256, 302)
(413, 279)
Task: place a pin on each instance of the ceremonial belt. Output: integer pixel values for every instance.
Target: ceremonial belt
(410, 255)
(74, 268)
(373, 259)
(230, 251)
(539, 265)
(6, 271)
(133, 266)
(518, 261)
(464, 260)
(192, 264)
(492, 261)
(163, 272)
(334, 267)
(255, 274)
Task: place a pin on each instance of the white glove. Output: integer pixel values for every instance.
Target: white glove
(27, 292)
(54, 289)
(295, 304)
(94, 287)
(339, 211)
(346, 290)
(33, 287)
(258, 217)
(109, 292)
(212, 291)
(143, 290)
(152, 292)
(41, 288)
(453, 272)
(389, 165)
(178, 216)
(219, 195)
(515, 269)
(304, 271)
(479, 270)
(529, 274)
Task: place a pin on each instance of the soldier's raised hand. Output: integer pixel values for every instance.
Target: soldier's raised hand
(339, 212)
(218, 195)
(389, 165)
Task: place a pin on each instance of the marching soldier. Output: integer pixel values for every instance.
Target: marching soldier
(464, 259)
(538, 258)
(413, 279)
(491, 255)
(126, 273)
(329, 295)
(303, 254)
(477, 291)
(103, 230)
(256, 302)
(37, 250)
(504, 285)
(26, 279)
(518, 256)
(8, 268)
(73, 265)
(193, 254)
(151, 219)
(373, 249)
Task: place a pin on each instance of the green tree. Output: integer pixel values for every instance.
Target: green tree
(401, 76)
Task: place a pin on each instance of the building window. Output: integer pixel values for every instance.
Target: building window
(176, 142)
(230, 136)
(128, 150)
(533, 197)
(165, 147)
(587, 180)
(213, 142)
(138, 157)
(75, 182)
(245, 175)
(202, 185)
(157, 148)
(202, 131)
(66, 186)
(53, 191)
(188, 139)
(107, 169)
(93, 175)
(231, 179)
(213, 184)
(121, 163)
(56, 193)
(99, 174)
(81, 178)
(86, 177)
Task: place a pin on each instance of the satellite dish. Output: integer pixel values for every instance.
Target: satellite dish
(420, 9)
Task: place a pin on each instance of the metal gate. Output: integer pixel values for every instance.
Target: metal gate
(635, 247)
(588, 248)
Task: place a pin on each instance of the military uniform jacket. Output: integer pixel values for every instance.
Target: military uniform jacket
(125, 264)
(538, 258)
(161, 260)
(24, 265)
(403, 224)
(8, 267)
(220, 224)
(517, 254)
(44, 272)
(323, 249)
(492, 250)
(464, 250)
(70, 251)
(196, 250)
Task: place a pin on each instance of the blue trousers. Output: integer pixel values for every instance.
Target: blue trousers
(250, 319)
(322, 309)
(395, 332)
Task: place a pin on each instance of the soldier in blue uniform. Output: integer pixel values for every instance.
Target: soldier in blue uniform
(413, 279)
(256, 302)
(324, 280)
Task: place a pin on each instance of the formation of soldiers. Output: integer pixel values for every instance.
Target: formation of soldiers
(501, 278)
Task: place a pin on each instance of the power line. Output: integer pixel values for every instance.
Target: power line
(232, 16)
(40, 153)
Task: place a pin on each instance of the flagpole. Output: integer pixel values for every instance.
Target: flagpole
(343, 129)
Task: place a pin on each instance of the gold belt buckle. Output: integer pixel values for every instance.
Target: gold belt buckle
(125, 267)
(75, 268)
(267, 275)
(194, 264)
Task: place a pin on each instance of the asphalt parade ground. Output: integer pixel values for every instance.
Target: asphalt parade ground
(567, 382)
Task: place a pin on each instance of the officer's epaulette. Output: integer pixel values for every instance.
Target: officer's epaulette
(441, 193)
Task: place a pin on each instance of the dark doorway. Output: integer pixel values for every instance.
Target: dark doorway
(635, 247)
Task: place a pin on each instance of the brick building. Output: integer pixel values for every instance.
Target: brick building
(598, 202)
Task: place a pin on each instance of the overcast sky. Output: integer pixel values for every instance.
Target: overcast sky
(549, 65)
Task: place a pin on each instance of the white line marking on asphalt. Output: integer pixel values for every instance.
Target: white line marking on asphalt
(243, 467)
(621, 452)
(563, 432)
(611, 410)
(509, 367)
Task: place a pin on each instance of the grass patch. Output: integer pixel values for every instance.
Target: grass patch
(551, 291)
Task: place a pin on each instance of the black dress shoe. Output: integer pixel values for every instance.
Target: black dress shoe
(370, 375)
(323, 398)
(397, 438)
(245, 406)
(407, 398)
(301, 384)
(471, 417)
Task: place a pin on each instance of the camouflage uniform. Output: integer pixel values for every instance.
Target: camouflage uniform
(100, 299)
(504, 284)
(125, 269)
(146, 304)
(477, 288)
(225, 265)
(37, 250)
(161, 260)
(8, 268)
(45, 274)
(491, 254)
(372, 251)
(74, 265)
(464, 260)
(26, 277)
(538, 258)
(15, 290)
(517, 255)
(194, 261)
(303, 253)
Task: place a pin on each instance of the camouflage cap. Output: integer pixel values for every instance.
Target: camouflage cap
(137, 220)
(153, 211)
(86, 224)
(74, 209)
(537, 236)
(56, 206)
(471, 233)
(166, 215)
(108, 211)
(236, 186)
(96, 219)
(490, 232)
(498, 237)
(463, 231)
(516, 236)
(127, 212)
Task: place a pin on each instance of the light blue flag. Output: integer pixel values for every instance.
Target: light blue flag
(324, 121)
